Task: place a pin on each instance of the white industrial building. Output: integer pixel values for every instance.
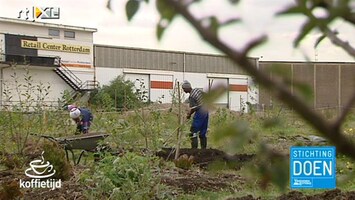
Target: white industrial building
(160, 70)
(66, 58)
(55, 55)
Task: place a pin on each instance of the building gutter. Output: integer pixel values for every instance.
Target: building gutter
(184, 66)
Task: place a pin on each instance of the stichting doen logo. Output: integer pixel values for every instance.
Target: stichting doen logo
(40, 171)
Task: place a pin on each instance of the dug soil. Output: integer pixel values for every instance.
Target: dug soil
(205, 157)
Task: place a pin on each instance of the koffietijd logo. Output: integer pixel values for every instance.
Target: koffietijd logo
(39, 13)
(40, 172)
(313, 167)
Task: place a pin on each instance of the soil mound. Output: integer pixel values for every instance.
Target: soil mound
(205, 157)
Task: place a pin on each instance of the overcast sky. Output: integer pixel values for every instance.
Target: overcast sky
(258, 18)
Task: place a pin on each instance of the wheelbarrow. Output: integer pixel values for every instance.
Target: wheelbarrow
(86, 143)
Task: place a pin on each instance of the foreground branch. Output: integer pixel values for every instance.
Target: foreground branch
(338, 42)
(345, 112)
(280, 90)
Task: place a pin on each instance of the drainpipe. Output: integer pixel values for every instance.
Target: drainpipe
(258, 85)
(184, 66)
(94, 63)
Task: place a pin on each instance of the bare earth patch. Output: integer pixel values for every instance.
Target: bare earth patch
(190, 181)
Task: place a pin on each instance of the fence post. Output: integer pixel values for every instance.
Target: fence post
(179, 122)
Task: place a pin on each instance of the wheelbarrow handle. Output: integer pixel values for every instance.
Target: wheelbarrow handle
(46, 136)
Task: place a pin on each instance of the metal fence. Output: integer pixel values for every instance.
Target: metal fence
(322, 85)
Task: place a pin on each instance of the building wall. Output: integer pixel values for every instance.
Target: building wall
(117, 57)
(164, 69)
(16, 34)
(160, 86)
(347, 83)
(31, 85)
(148, 59)
(81, 64)
(321, 85)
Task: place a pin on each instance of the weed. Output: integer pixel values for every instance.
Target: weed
(24, 102)
(56, 156)
(128, 177)
(12, 161)
(184, 162)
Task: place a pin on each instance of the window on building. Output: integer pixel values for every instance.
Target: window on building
(69, 34)
(53, 32)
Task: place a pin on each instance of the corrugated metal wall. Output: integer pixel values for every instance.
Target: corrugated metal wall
(121, 57)
(303, 80)
(347, 82)
(327, 85)
(332, 84)
(114, 57)
(200, 63)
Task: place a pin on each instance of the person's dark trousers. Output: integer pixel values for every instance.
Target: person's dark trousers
(200, 125)
(203, 141)
(79, 129)
(194, 141)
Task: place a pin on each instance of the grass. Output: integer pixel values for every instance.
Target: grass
(155, 129)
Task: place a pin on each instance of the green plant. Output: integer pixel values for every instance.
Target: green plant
(12, 161)
(56, 156)
(23, 110)
(128, 177)
(184, 162)
(119, 94)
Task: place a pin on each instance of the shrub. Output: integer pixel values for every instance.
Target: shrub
(119, 94)
(56, 156)
(128, 177)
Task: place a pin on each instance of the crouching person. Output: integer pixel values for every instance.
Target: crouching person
(83, 118)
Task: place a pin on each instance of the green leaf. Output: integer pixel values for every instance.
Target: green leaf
(320, 39)
(233, 135)
(292, 10)
(166, 11)
(234, 1)
(132, 7)
(305, 90)
(160, 30)
(279, 172)
(214, 94)
(214, 25)
(306, 28)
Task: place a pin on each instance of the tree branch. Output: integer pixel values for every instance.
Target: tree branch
(338, 42)
(280, 90)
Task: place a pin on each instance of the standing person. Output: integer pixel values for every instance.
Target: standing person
(200, 120)
(83, 118)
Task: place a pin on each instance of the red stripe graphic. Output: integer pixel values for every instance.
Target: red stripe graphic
(238, 88)
(161, 85)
